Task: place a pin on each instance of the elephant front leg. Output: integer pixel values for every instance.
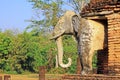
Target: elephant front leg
(83, 58)
(86, 60)
(83, 61)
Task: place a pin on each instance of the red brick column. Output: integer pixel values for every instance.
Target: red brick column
(42, 73)
(0, 77)
(7, 77)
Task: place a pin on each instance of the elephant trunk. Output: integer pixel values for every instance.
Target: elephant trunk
(60, 53)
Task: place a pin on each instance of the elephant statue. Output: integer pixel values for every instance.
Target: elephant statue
(89, 34)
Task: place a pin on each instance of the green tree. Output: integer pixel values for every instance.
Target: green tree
(25, 52)
(5, 50)
(49, 10)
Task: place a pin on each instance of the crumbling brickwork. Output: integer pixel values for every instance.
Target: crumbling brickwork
(101, 7)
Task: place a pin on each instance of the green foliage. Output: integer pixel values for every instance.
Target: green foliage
(26, 52)
(95, 60)
(70, 51)
(5, 49)
(58, 70)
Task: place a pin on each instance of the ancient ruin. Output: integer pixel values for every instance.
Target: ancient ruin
(107, 12)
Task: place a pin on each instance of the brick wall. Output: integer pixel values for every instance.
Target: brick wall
(113, 43)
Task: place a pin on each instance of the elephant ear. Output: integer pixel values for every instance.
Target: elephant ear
(76, 22)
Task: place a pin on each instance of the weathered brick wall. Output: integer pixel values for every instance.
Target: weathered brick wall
(114, 43)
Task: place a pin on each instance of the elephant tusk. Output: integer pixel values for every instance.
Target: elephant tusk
(60, 53)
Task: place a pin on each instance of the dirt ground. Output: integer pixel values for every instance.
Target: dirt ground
(33, 77)
(22, 77)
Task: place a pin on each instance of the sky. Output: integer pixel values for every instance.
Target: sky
(14, 13)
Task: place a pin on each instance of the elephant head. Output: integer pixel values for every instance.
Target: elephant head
(64, 26)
